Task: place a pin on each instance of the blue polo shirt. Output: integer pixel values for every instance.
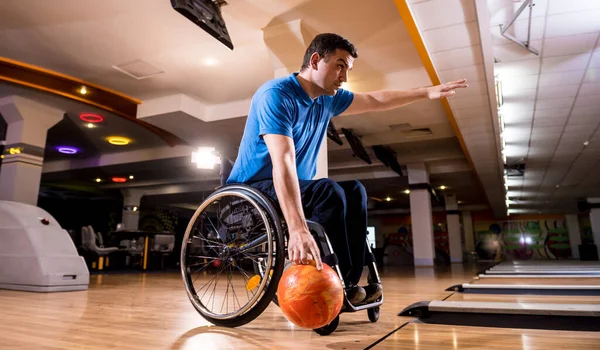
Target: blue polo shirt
(281, 106)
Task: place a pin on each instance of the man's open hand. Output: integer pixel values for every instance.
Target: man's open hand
(446, 89)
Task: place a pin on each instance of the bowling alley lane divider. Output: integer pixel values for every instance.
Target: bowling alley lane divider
(575, 317)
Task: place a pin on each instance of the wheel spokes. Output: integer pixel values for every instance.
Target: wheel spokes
(230, 247)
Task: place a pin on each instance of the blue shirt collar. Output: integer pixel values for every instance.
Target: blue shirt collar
(304, 98)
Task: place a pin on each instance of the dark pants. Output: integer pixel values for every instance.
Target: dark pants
(341, 208)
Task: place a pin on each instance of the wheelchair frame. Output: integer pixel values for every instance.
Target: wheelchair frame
(270, 214)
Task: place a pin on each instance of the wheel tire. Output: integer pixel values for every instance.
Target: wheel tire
(373, 314)
(328, 329)
(271, 289)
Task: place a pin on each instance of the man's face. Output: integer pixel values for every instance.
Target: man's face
(333, 71)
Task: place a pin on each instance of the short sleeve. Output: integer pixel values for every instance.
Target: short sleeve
(274, 114)
(341, 101)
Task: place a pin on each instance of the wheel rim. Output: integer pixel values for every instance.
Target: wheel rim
(220, 248)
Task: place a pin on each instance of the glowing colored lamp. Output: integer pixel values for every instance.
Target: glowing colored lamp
(205, 158)
(119, 179)
(67, 150)
(91, 118)
(118, 140)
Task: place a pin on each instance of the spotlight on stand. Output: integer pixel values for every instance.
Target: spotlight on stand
(205, 158)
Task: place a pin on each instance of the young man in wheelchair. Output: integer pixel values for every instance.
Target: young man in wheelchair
(287, 121)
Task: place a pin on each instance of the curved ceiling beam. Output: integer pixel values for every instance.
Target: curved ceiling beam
(75, 89)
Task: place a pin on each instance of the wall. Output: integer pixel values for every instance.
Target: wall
(158, 219)
(522, 237)
(72, 214)
(585, 226)
(395, 232)
(544, 238)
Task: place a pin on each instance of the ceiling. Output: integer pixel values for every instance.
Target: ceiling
(71, 131)
(462, 40)
(551, 105)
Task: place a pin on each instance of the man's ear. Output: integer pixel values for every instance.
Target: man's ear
(314, 61)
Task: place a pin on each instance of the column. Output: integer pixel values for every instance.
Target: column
(27, 126)
(467, 221)
(420, 213)
(574, 234)
(131, 208)
(322, 162)
(453, 220)
(595, 219)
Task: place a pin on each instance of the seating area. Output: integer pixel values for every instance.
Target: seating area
(120, 250)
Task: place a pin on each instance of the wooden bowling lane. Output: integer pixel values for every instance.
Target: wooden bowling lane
(545, 268)
(483, 276)
(433, 336)
(551, 299)
(545, 272)
(539, 281)
(548, 262)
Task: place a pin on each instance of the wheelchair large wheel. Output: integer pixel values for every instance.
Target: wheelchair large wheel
(235, 232)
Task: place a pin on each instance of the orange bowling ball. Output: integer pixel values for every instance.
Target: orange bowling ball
(310, 298)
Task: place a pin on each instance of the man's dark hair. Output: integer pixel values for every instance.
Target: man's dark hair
(325, 45)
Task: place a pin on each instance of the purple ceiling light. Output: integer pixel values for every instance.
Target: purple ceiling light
(67, 150)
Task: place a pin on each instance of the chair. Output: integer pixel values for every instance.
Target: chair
(163, 244)
(240, 231)
(88, 241)
(134, 249)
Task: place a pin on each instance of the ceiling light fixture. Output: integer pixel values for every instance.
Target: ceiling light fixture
(67, 150)
(91, 118)
(499, 96)
(388, 199)
(98, 180)
(83, 90)
(118, 140)
(205, 158)
(442, 187)
(407, 191)
(586, 143)
(130, 177)
(210, 61)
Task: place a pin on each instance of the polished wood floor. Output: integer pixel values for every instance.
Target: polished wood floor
(543, 281)
(151, 311)
(511, 298)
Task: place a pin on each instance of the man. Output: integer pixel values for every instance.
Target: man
(286, 124)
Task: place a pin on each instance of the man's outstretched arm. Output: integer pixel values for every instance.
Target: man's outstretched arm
(285, 179)
(384, 100)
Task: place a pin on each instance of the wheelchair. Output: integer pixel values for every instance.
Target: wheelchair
(234, 253)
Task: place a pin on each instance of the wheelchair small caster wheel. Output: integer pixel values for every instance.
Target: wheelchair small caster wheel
(373, 314)
(328, 329)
